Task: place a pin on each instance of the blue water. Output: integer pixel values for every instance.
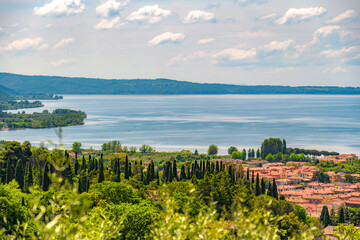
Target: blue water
(194, 122)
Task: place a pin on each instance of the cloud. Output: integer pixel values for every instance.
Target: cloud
(206, 40)
(337, 69)
(278, 46)
(24, 44)
(63, 42)
(333, 53)
(244, 3)
(345, 16)
(166, 38)
(106, 24)
(60, 8)
(195, 16)
(184, 59)
(269, 17)
(235, 54)
(260, 34)
(151, 14)
(110, 8)
(62, 62)
(297, 15)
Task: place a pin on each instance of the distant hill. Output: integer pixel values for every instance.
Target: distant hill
(65, 85)
(6, 93)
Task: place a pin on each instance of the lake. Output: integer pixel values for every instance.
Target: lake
(169, 123)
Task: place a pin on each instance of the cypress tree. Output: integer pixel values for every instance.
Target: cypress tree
(188, 173)
(158, 178)
(274, 189)
(148, 174)
(269, 192)
(152, 170)
(263, 187)
(130, 172)
(257, 185)
(46, 178)
(83, 165)
(284, 146)
(29, 180)
(182, 173)
(19, 174)
(101, 170)
(171, 175)
(8, 172)
(257, 153)
(174, 170)
(118, 172)
(91, 165)
(79, 186)
(342, 216)
(252, 179)
(127, 168)
(217, 168)
(221, 165)
(76, 167)
(325, 217)
(248, 174)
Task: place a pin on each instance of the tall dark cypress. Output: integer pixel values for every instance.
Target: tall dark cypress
(29, 180)
(83, 165)
(274, 189)
(325, 217)
(77, 166)
(217, 168)
(8, 172)
(263, 187)
(130, 172)
(91, 165)
(101, 170)
(221, 165)
(248, 174)
(158, 178)
(19, 174)
(270, 191)
(252, 178)
(174, 170)
(46, 178)
(126, 168)
(188, 173)
(152, 170)
(182, 173)
(341, 216)
(118, 172)
(257, 185)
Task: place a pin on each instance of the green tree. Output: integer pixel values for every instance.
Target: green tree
(236, 155)
(274, 190)
(76, 147)
(341, 215)
(231, 150)
(257, 185)
(29, 179)
(271, 145)
(325, 217)
(46, 178)
(101, 171)
(19, 174)
(182, 173)
(213, 149)
(243, 154)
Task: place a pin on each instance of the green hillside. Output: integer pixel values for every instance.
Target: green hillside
(65, 85)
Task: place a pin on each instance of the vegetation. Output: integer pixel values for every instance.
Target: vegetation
(58, 118)
(14, 105)
(48, 84)
(60, 197)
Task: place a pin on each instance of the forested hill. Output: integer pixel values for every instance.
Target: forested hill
(6, 93)
(66, 85)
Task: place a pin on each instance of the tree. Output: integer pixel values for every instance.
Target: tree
(271, 145)
(46, 178)
(83, 165)
(243, 154)
(196, 152)
(257, 185)
(29, 180)
(101, 171)
(274, 189)
(77, 166)
(258, 153)
(231, 150)
(76, 147)
(263, 187)
(213, 150)
(182, 173)
(19, 174)
(236, 155)
(325, 217)
(174, 171)
(341, 215)
(284, 146)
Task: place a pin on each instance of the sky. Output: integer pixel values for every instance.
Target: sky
(251, 42)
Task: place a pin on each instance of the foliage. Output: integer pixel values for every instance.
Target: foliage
(213, 150)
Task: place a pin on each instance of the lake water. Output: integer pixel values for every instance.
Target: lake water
(195, 121)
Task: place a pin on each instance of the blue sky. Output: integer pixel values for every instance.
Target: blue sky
(272, 42)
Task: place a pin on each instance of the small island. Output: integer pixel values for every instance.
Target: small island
(45, 119)
(14, 105)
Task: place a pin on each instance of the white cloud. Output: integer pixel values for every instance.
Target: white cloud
(278, 46)
(195, 16)
(59, 8)
(337, 69)
(63, 42)
(24, 44)
(235, 54)
(167, 37)
(345, 16)
(297, 15)
(282, 70)
(206, 40)
(341, 52)
(151, 14)
(110, 8)
(269, 17)
(184, 59)
(244, 3)
(62, 62)
(106, 24)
